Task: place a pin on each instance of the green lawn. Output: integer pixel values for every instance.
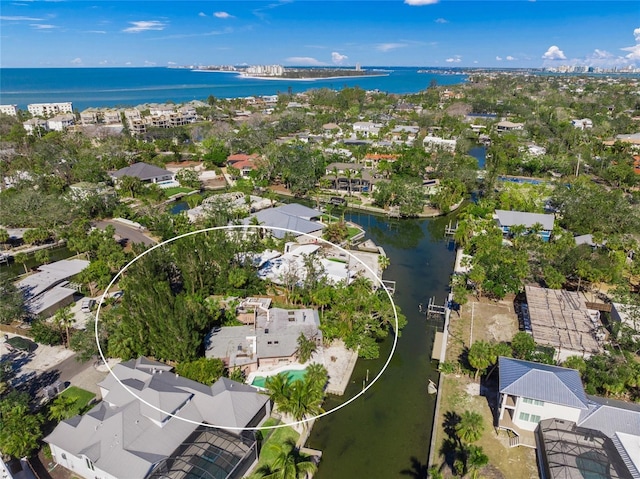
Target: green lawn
(177, 189)
(353, 231)
(82, 396)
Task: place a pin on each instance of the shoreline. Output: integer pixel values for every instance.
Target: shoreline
(258, 77)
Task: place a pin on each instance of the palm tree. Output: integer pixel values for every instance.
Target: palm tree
(383, 262)
(22, 258)
(63, 407)
(476, 459)
(304, 400)
(480, 356)
(306, 348)
(317, 375)
(278, 388)
(470, 427)
(64, 318)
(287, 464)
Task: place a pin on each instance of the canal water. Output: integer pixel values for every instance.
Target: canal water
(12, 269)
(386, 432)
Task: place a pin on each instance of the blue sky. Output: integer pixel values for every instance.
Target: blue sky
(458, 33)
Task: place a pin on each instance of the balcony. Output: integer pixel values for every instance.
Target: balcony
(521, 437)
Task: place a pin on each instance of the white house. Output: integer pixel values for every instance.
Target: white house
(33, 124)
(530, 392)
(61, 122)
(432, 142)
(125, 438)
(574, 433)
(509, 126)
(145, 172)
(583, 124)
(366, 128)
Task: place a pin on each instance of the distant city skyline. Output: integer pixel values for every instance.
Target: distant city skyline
(516, 34)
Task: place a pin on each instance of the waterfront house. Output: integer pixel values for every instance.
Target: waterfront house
(144, 172)
(167, 435)
(89, 116)
(48, 289)
(270, 341)
(507, 126)
(508, 219)
(349, 177)
(434, 142)
(530, 392)
(295, 217)
(575, 435)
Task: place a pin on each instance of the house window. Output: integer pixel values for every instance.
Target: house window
(535, 402)
(89, 463)
(524, 416)
(534, 418)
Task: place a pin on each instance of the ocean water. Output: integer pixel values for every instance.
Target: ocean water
(110, 87)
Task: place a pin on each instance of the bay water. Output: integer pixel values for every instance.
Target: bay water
(111, 87)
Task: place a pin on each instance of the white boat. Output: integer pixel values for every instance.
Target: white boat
(431, 388)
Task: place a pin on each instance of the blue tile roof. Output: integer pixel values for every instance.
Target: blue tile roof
(543, 382)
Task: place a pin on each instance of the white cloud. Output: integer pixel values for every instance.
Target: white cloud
(147, 63)
(20, 19)
(475, 61)
(635, 52)
(202, 14)
(386, 47)
(42, 26)
(419, 3)
(305, 61)
(144, 26)
(103, 62)
(554, 53)
(510, 58)
(222, 15)
(597, 53)
(76, 61)
(441, 20)
(337, 58)
(101, 32)
(171, 63)
(499, 59)
(454, 59)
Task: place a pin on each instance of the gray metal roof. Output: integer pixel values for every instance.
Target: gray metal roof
(292, 217)
(141, 170)
(611, 416)
(542, 382)
(512, 218)
(125, 437)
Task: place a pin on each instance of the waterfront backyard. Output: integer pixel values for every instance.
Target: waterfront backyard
(493, 321)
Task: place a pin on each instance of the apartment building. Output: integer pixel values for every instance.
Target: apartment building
(48, 109)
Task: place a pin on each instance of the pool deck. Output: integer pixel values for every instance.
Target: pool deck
(338, 360)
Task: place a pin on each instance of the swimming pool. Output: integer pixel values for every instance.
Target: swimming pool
(294, 375)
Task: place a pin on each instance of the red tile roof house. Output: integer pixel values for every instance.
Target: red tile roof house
(243, 163)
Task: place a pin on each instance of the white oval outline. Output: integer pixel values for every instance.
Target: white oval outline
(244, 227)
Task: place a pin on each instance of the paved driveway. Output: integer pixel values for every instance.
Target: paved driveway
(125, 232)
